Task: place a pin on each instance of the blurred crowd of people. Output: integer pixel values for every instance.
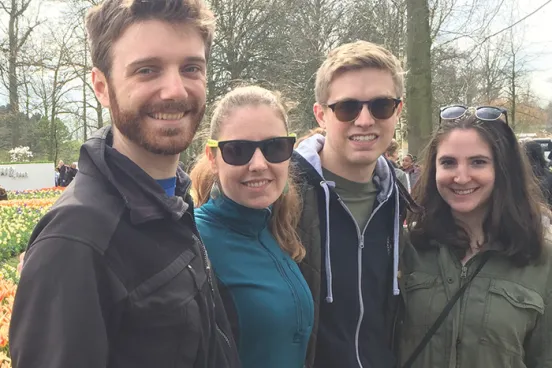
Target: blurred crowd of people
(65, 173)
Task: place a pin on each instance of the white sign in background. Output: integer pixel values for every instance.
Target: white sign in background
(27, 176)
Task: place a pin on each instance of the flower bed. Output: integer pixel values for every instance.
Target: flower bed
(18, 217)
(35, 194)
(8, 286)
(17, 221)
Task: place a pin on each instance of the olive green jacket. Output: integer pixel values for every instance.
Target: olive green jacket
(503, 320)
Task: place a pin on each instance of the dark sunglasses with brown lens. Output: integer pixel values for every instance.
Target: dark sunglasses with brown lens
(380, 108)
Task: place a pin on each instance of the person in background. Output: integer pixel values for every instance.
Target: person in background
(115, 274)
(392, 155)
(482, 240)
(71, 173)
(411, 168)
(3, 194)
(535, 154)
(249, 211)
(62, 170)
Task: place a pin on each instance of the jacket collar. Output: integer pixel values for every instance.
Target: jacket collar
(244, 220)
(142, 195)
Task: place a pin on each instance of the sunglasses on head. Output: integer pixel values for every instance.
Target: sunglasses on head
(485, 113)
(380, 108)
(240, 152)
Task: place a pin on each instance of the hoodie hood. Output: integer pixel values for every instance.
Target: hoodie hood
(144, 197)
(384, 177)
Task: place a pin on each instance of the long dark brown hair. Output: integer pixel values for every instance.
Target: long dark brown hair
(513, 224)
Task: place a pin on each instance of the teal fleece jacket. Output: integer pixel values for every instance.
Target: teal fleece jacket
(267, 300)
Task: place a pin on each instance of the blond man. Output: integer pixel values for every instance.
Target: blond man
(352, 208)
(115, 274)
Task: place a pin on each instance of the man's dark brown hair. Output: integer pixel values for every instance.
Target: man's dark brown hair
(106, 23)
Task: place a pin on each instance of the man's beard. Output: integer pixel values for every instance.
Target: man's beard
(158, 140)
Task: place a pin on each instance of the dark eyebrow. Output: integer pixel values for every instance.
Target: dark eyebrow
(477, 157)
(156, 60)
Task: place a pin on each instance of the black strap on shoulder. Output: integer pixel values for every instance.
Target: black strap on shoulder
(444, 314)
(405, 195)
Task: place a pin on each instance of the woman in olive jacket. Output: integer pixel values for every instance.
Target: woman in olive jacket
(480, 201)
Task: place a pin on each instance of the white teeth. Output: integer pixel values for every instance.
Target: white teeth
(464, 192)
(168, 116)
(256, 184)
(359, 138)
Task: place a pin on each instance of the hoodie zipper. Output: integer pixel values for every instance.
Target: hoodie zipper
(360, 237)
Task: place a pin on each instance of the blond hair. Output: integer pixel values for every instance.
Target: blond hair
(392, 148)
(309, 134)
(286, 210)
(105, 23)
(355, 56)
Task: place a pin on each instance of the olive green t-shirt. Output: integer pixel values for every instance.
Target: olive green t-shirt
(358, 197)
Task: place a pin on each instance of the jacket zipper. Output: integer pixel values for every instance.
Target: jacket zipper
(464, 272)
(206, 264)
(463, 276)
(293, 291)
(360, 238)
(223, 335)
(300, 286)
(202, 248)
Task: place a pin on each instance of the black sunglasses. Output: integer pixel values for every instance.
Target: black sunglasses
(380, 108)
(485, 113)
(240, 152)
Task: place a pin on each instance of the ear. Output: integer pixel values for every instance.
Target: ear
(210, 154)
(400, 108)
(99, 83)
(320, 114)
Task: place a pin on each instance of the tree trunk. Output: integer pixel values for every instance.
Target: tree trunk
(99, 114)
(84, 99)
(418, 87)
(12, 75)
(513, 89)
(12, 58)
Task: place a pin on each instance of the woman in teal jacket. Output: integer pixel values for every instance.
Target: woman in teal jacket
(247, 219)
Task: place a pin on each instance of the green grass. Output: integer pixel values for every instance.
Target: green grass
(14, 261)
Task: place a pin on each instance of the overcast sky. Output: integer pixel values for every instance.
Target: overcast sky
(538, 35)
(535, 31)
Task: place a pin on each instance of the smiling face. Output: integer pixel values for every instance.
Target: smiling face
(407, 162)
(157, 88)
(357, 145)
(465, 173)
(259, 183)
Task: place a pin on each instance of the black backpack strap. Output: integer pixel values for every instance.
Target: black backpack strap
(439, 321)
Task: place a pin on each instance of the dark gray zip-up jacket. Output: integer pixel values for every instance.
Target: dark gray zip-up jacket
(352, 272)
(116, 276)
